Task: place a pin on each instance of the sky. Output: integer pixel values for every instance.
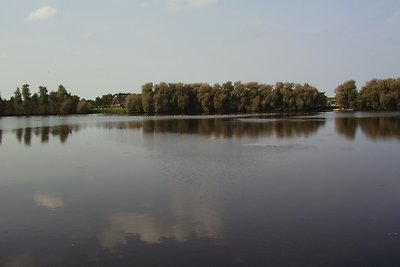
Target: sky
(95, 47)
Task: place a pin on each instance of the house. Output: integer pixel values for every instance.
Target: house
(118, 100)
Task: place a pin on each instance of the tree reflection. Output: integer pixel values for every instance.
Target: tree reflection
(62, 132)
(374, 128)
(381, 127)
(19, 133)
(224, 127)
(27, 136)
(346, 127)
(44, 134)
(220, 128)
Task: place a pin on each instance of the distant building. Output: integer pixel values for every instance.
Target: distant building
(118, 101)
(331, 102)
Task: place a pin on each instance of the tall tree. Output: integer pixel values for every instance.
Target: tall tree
(346, 94)
(43, 100)
(162, 98)
(26, 99)
(147, 98)
(205, 97)
(82, 107)
(221, 99)
(182, 98)
(133, 104)
(17, 102)
(2, 107)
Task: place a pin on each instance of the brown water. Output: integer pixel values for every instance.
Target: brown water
(319, 190)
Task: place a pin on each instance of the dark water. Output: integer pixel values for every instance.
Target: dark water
(320, 190)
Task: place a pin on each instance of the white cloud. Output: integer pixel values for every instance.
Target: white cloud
(189, 4)
(43, 13)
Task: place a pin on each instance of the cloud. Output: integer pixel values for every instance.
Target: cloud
(189, 4)
(43, 13)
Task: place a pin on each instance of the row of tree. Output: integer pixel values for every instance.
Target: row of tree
(228, 97)
(59, 102)
(238, 97)
(377, 94)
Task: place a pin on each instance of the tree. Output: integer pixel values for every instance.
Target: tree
(265, 92)
(65, 107)
(134, 104)
(205, 97)
(17, 103)
(254, 99)
(220, 99)
(43, 100)
(53, 103)
(162, 98)
(346, 94)
(380, 95)
(182, 98)
(307, 97)
(147, 98)
(34, 105)
(83, 107)
(2, 107)
(240, 95)
(26, 99)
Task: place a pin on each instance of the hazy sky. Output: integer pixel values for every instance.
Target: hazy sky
(94, 47)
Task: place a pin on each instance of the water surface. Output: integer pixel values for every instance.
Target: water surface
(317, 190)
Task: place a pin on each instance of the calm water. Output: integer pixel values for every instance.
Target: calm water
(320, 190)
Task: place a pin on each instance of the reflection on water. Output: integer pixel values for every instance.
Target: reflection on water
(346, 127)
(381, 127)
(374, 128)
(213, 128)
(225, 128)
(151, 229)
(218, 191)
(48, 201)
(23, 260)
(62, 132)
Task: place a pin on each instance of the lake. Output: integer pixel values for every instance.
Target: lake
(262, 190)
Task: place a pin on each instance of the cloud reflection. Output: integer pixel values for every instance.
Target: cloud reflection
(152, 230)
(23, 260)
(48, 201)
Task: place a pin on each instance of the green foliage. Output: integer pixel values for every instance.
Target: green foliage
(82, 107)
(2, 106)
(179, 98)
(104, 101)
(380, 95)
(147, 98)
(346, 94)
(42, 103)
(133, 104)
(229, 97)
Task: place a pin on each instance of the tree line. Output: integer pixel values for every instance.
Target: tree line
(238, 97)
(196, 98)
(377, 94)
(59, 102)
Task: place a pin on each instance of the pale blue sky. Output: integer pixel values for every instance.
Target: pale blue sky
(94, 47)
